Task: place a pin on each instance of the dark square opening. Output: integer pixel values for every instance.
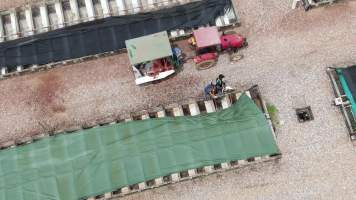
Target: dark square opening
(120, 120)
(186, 110)
(134, 187)
(184, 174)
(234, 163)
(169, 112)
(218, 104)
(99, 196)
(116, 192)
(232, 98)
(304, 114)
(201, 106)
(200, 170)
(137, 117)
(150, 183)
(167, 178)
(152, 115)
(217, 166)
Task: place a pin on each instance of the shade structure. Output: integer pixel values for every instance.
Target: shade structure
(106, 35)
(347, 77)
(148, 48)
(207, 36)
(99, 160)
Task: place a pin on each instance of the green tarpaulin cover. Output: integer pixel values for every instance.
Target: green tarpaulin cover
(345, 86)
(98, 160)
(148, 48)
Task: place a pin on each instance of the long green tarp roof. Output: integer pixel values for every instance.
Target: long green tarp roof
(98, 160)
(148, 48)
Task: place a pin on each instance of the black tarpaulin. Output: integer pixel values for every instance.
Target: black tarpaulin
(107, 34)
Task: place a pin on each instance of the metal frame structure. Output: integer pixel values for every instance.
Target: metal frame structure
(53, 14)
(231, 18)
(192, 107)
(311, 3)
(342, 101)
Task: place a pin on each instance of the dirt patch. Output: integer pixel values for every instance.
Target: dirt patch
(301, 21)
(47, 94)
(175, 89)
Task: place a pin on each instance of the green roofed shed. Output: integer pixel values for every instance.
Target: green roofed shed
(149, 47)
(99, 160)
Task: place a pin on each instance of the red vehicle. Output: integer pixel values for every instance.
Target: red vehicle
(205, 56)
(208, 43)
(234, 41)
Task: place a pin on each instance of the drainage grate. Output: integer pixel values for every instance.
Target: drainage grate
(304, 114)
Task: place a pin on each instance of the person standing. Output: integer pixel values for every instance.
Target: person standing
(220, 84)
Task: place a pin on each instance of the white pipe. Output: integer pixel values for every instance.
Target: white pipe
(29, 20)
(75, 10)
(2, 32)
(44, 17)
(59, 12)
(121, 6)
(105, 6)
(90, 9)
(14, 24)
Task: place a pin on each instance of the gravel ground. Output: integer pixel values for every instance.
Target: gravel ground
(7, 4)
(288, 53)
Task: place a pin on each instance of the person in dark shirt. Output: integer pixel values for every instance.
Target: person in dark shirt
(220, 84)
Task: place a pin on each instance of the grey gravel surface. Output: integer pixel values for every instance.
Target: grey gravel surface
(288, 57)
(288, 53)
